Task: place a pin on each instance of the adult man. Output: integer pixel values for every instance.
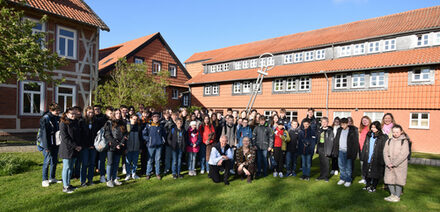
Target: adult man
(230, 131)
(49, 125)
(154, 136)
(168, 123)
(262, 138)
(124, 113)
(220, 157)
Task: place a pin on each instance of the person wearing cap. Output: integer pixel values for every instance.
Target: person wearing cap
(154, 136)
(220, 157)
(281, 137)
(193, 147)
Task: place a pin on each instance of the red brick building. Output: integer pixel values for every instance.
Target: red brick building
(157, 54)
(74, 28)
(368, 67)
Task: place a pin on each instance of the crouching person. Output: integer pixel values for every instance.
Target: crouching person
(245, 160)
(220, 157)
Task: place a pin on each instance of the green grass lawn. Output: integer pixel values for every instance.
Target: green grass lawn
(425, 155)
(23, 192)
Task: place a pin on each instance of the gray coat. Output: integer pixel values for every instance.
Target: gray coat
(396, 154)
(262, 137)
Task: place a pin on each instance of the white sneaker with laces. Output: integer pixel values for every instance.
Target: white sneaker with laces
(127, 178)
(110, 184)
(347, 184)
(116, 182)
(362, 181)
(332, 172)
(45, 183)
(275, 174)
(280, 174)
(55, 181)
(340, 182)
(336, 172)
(202, 172)
(102, 180)
(232, 171)
(134, 176)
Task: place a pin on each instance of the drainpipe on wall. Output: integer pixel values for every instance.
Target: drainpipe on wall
(326, 98)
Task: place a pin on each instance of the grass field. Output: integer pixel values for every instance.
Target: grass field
(23, 192)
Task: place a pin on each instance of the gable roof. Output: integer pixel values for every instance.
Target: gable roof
(130, 48)
(405, 22)
(76, 10)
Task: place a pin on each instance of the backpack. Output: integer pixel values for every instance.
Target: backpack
(101, 144)
(409, 146)
(57, 135)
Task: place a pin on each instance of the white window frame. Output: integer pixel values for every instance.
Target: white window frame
(185, 100)
(372, 47)
(237, 65)
(421, 79)
(359, 49)
(262, 62)
(317, 116)
(219, 67)
(226, 66)
(374, 116)
(309, 56)
(215, 89)
(436, 38)
(345, 51)
(73, 95)
(356, 78)
(270, 61)
(213, 68)
(268, 114)
(170, 69)
(340, 79)
(34, 31)
(207, 89)
(291, 84)
(304, 81)
(377, 79)
(288, 58)
(254, 63)
(136, 60)
(75, 42)
(278, 85)
(245, 64)
(422, 40)
(292, 115)
(341, 114)
(320, 54)
(389, 45)
(175, 94)
(159, 64)
(247, 87)
(236, 88)
(419, 120)
(298, 57)
(42, 98)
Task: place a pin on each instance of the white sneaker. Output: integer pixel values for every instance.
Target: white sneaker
(207, 172)
(232, 171)
(347, 184)
(118, 178)
(102, 180)
(127, 178)
(110, 184)
(124, 171)
(202, 172)
(362, 181)
(275, 174)
(194, 173)
(55, 181)
(116, 182)
(394, 199)
(280, 174)
(134, 176)
(332, 172)
(340, 182)
(336, 172)
(45, 183)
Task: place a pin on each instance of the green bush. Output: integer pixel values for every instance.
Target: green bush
(11, 164)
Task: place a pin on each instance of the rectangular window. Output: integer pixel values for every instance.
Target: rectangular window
(208, 89)
(341, 114)
(318, 115)
(389, 45)
(262, 62)
(185, 100)
(254, 86)
(253, 63)
(292, 115)
(226, 67)
(237, 87)
(65, 96)
(359, 49)
(358, 80)
(345, 51)
(423, 40)
(309, 56)
(173, 70)
(213, 68)
(436, 40)
(290, 84)
(374, 47)
(31, 98)
(38, 28)
(278, 85)
(377, 79)
(421, 74)
(268, 114)
(298, 57)
(270, 61)
(138, 60)
(66, 45)
(246, 64)
(237, 65)
(419, 120)
(320, 54)
(215, 89)
(175, 94)
(304, 84)
(220, 67)
(374, 116)
(246, 87)
(288, 58)
(341, 81)
(157, 66)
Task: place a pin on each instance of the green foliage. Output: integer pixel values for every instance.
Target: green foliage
(11, 164)
(193, 108)
(131, 84)
(21, 53)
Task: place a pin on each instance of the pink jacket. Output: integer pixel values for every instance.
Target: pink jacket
(193, 138)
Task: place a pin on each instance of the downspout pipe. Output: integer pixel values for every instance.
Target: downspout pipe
(327, 95)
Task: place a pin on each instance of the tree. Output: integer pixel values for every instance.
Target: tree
(132, 84)
(23, 54)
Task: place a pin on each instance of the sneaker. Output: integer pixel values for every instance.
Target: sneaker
(202, 172)
(388, 198)
(332, 172)
(366, 188)
(102, 179)
(134, 176)
(72, 187)
(371, 190)
(362, 181)
(55, 181)
(326, 180)
(340, 182)
(45, 183)
(84, 184)
(293, 174)
(275, 174)
(190, 173)
(307, 179)
(232, 171)
(347, 184)
(395, 199)
(116, 182)
(180, 176)
(174, 176)
(90, 183)
(302, 177)
(147, 177)
(67, 190)
(280, 174)
(110, 184)
(158, 177)
(336, 172)
(319, 179)
(127, 178)
(289, 174)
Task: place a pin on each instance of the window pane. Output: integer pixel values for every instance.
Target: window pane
(36, 103)
(70, 48)
(415, 116)
(424, 123)
(414, 123)
(31, 87)
(69, 101)
(61, 102)
(67, 33)
(62, 46)
(27, 103)
(424, 116)
(38, 26)
(65, 90)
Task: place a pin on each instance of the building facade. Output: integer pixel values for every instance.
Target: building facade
(369, 67)
(74, 29)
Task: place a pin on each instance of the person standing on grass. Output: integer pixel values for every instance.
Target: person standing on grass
(324, 150)
(346, 147)
(70, 146)
(313, 123)
(335, 166)
(49, 125)
(77, 165)
(168, 122)
(207, 134)
(292, 148)
(395, 155)
(230, 130)
(220, 157)
(243, 131)
(154, 136)
(103, 155)
(177, 139)
(262, 138)
(88, 153)
(372, 156)
(387, 124)
(245, 157)
(281, 138)
(364, 128)
(306, 147)
(116, 135)
(217, 128)
(134, 144)
(193, 147)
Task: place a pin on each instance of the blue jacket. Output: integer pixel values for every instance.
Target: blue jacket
(243, 132)
(306, 142)
(154, 136)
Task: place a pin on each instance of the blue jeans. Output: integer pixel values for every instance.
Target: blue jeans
(202, 156)
(131, 160)
(306, 164)
(291, 158)
(192, 161)
(88, 164)
(113, 159)
(153, 154)
(51, 158)
(168, 156)
(262, 161)
(345, 166)
(67, 171)
(101, 162)
(177, 161)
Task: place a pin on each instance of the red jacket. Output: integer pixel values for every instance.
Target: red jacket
(208, 133)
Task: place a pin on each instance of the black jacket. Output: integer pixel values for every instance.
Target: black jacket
(352, 143)
(325, 148)
(49, 125)
(135, 140)
(70, 134)
(262, 137)
(89, 131)
(314, 125)
(292, 146)
(376, 167)
(173, 138)
(115, 135)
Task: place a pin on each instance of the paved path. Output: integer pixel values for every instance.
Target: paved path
(424, 161)
(18, 148)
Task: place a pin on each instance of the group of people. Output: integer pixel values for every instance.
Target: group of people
(241, 144)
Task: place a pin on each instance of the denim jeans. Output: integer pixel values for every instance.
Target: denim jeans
(51, 158)
(192, 161)
(291, 158)
(345, 166)
(88, 164)
(154, 154)
(168, 156)
(77, 166)
(67, 171)
(101, 162)
(203, 160)
(131, 160)
(306, 164)
(262, 161)
(177, 161)
(113, 159)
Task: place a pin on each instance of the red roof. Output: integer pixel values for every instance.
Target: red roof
(76, 10)
(414, 20)
(421, 56)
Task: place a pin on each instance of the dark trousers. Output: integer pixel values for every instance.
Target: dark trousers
(324, 165)
(278, 156)
(144, 158)
(335, 166)
(251, 169)
(371, 182)
(214, 171)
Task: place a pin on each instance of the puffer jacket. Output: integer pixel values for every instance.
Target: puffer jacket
(262, 137)
(154, 135)
(396, 153)
(327, 147)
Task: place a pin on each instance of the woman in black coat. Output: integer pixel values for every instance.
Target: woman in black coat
(177, 139)
(70, 146)
(372, 156)
(90, 127)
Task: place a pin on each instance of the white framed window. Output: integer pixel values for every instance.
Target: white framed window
(358, 80)
(292, 115)
(215, 89)
(359, 49)
(436, 40)
(220, 67)
(173, 70)
(389, 45)
(345, 51)
(213, 68)
(320, 54)
(374, 116)
(246, 64)
(66, 42)
(38, 28)
(374, 47)
(65, 96)
(318, 115)
(298, 57)
(270, 61)
(226, 67)
(208, 89)
(341, 81)
(419, 120)
(304, 83)
(254, 63)
(237, 65)
(254, 86)
(262, 62)
(268, 114)
(377, 79)
(246, 87)
(341, 114)
(175, 94)
(31, 98)
(138, 60)
(237, 87)
(185, 100)
(423, 40)
(421, 74)
(288, 58)
(278, 85)
(309, 56)
(157, 66)
(290, 84)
